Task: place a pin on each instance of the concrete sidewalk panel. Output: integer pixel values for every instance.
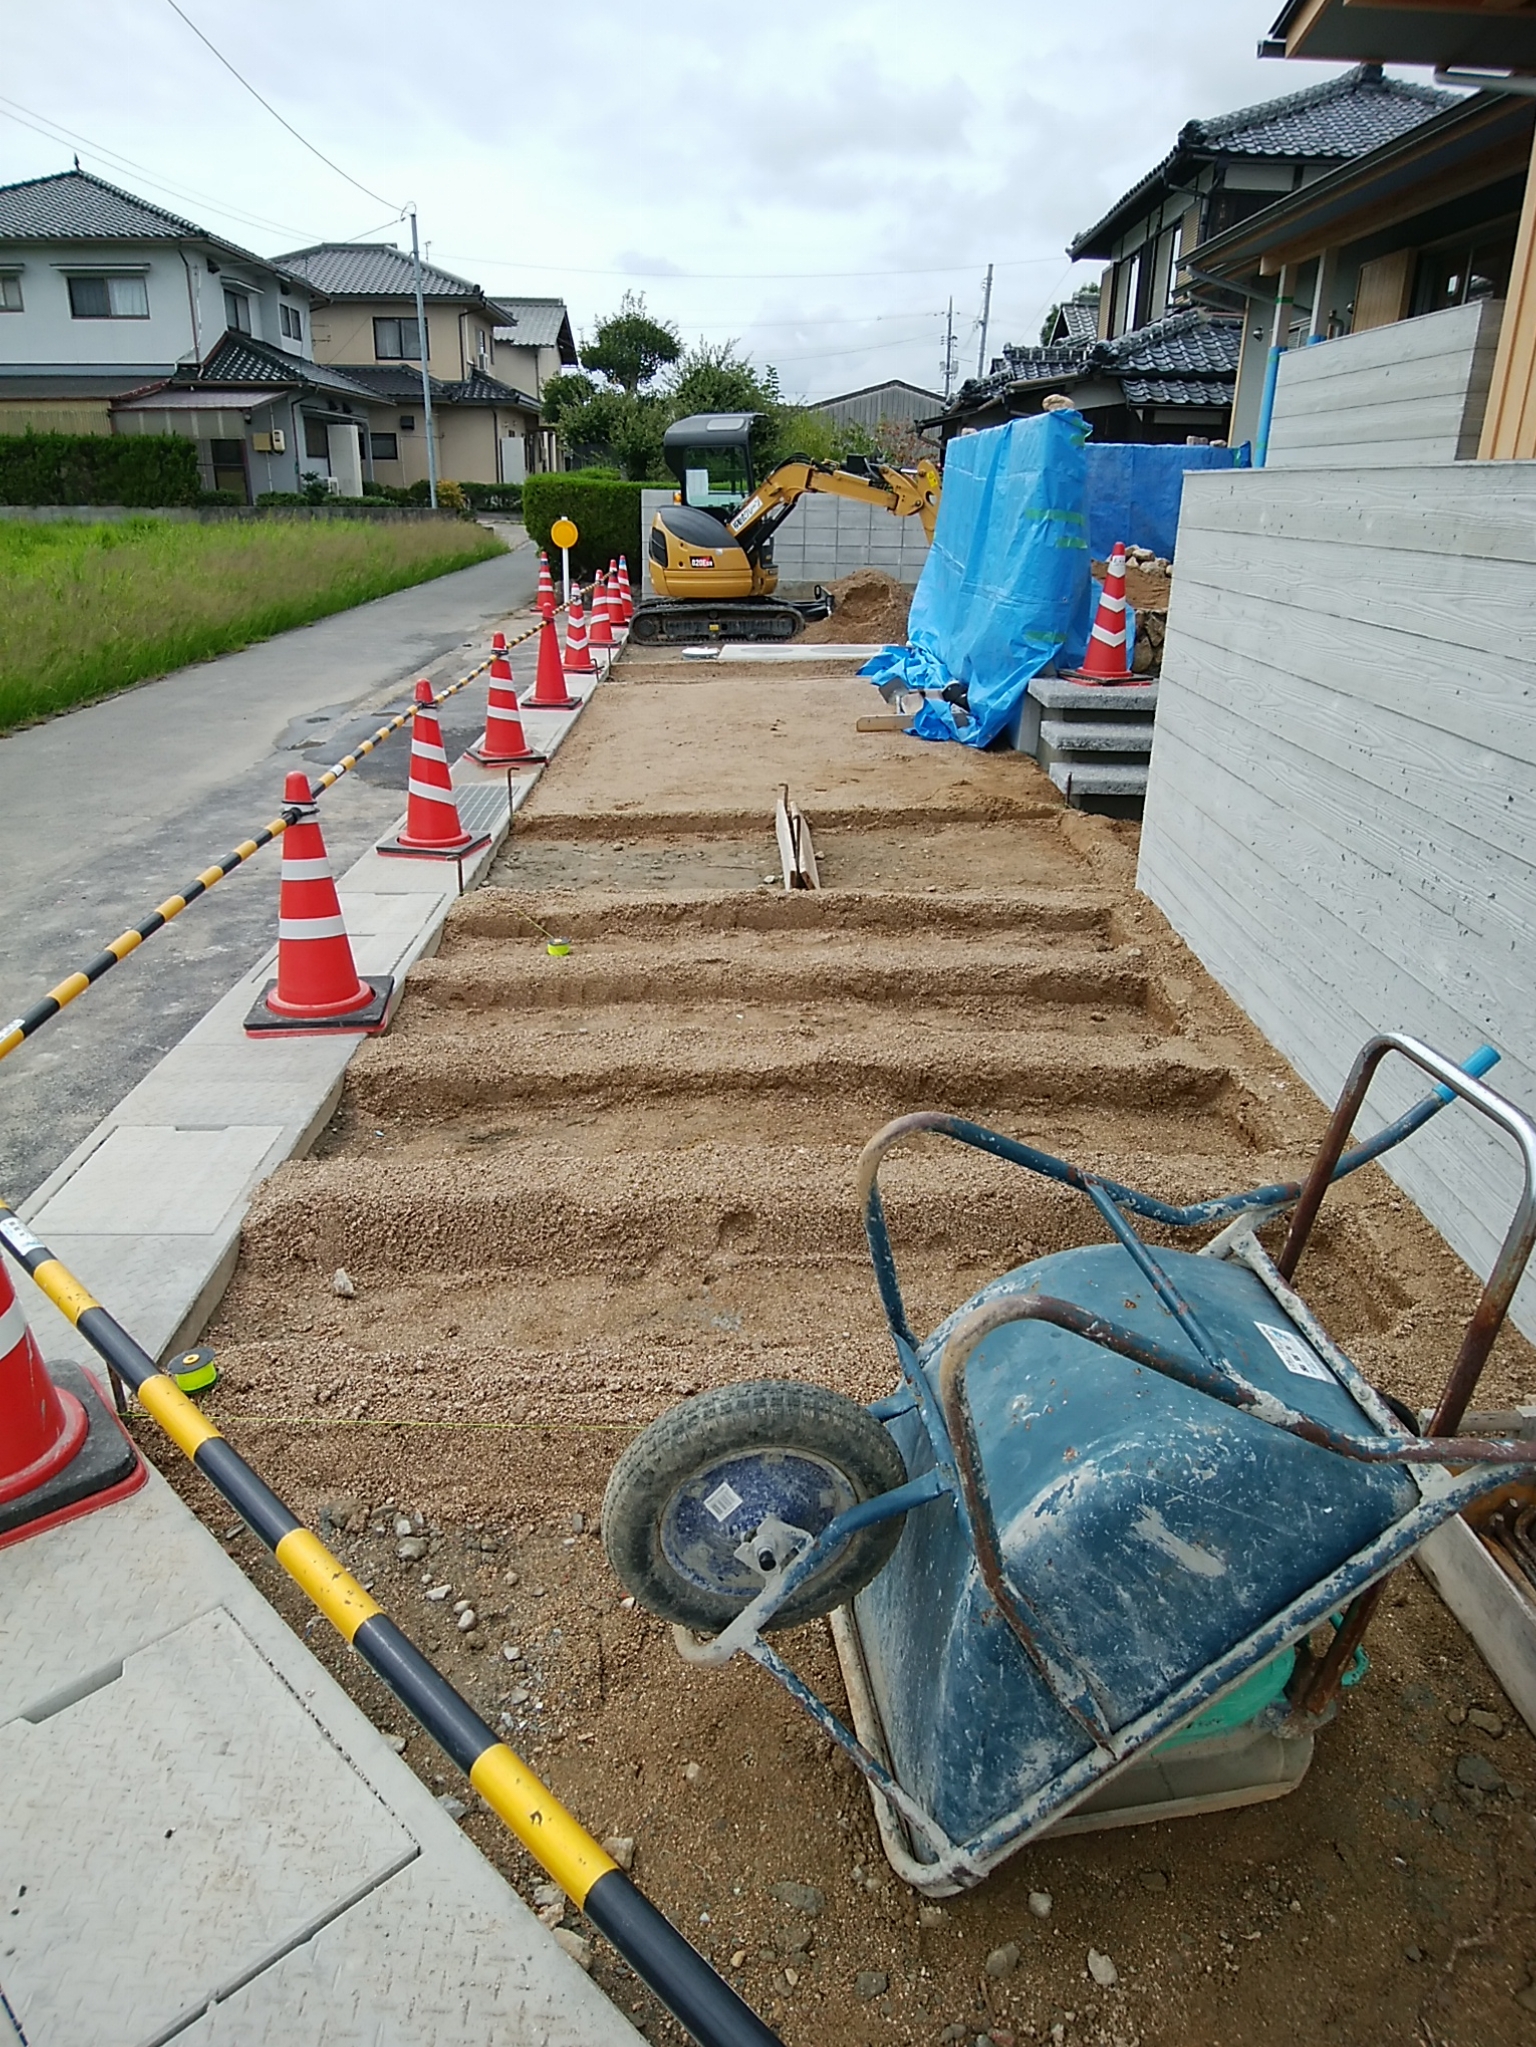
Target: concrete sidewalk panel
(149, 1181)
(237, 1833)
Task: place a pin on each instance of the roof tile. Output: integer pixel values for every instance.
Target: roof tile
(372, 270)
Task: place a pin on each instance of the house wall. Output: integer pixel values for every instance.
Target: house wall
(525, 369)
(1341, 817)
(343, 333)
(821, 540)
(1388, 397)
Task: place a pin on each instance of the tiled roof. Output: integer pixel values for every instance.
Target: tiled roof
(1343, 117)
(1080, 317)
(372, 270)
(400, 383)
(1189, 358)
(535, 323)
(237, 359)
(74, 206)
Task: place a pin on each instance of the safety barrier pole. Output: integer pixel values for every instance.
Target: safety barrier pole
(43, 1011)
(685, 1982)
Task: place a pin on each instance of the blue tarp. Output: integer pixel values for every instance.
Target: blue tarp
(1005, 590)
(1134, 490)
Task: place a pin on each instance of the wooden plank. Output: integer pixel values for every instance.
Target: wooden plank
(1490, 1606)
(805, 852)
(784, 832)
(893, 722)
(1443, 511)
(1351, 428)
(1380, 351)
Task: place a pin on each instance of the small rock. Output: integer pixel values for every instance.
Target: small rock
(1040, 1904)
(345, 1511)
(791, 1977)
(1413, 1954)
(438, 1592)
(953, 2035)
(691, 1773)
(519, 1696)
(1442, 1815)
(1003, 1960)
(579, 1950)
(475, 1639)
(1526, 1998)
(454, 1807)
(402, 1524)
(459, 1605)
(871, 1983)
(511, 1652)
(1152, 1879)
(1478, 1774)
(798, 1898)
(551, 1915)
(931, 1916)
(1456, 1715)
(1102, 1970)
(622, 1848)
(467, 1620)
(342, 1284)
(548, 1894)
(396, 1742)
(738, 1958)
(578, 1524)
(412, 1549)
(792, 1940)
(1490, 1723)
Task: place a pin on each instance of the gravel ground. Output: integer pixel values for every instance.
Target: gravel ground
(567, 1192)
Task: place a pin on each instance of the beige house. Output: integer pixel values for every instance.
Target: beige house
(487, 428)
(532, 342)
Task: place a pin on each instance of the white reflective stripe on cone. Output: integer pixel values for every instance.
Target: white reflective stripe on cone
(1109, 639)
(311, 927)
(1113, 600)
(428, 749)
(13, 1327)
(430, 791)
(305, 870)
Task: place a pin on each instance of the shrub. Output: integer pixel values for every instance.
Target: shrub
(209, 498)
(98, 469)
(606, 515)
(494, 497)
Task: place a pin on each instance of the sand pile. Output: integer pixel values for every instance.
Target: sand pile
(870, 606)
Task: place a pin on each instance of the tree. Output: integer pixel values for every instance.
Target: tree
(629, 347)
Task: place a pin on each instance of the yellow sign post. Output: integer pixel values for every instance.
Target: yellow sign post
(565, 536)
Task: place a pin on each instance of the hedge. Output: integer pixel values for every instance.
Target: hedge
(606, 515)
(98, 469)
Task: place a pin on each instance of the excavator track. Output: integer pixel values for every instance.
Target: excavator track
(659, 620)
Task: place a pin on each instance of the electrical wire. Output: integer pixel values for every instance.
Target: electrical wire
(738, 276)
(281, 119)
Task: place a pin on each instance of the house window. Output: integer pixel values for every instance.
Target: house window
(317, 441)
(384, 447)
(1457, 275)
(407, 422)
(10, 294)
(237, 311)
(396, 341)
(108, 298)
(292, 325)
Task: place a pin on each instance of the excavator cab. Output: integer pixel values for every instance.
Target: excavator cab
(710, 454)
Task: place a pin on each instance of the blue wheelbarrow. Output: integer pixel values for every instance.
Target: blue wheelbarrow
(1108, 1551)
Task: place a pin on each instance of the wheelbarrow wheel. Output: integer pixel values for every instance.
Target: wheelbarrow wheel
(705, 1477)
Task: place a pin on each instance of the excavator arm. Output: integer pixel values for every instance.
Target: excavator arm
(893, 490)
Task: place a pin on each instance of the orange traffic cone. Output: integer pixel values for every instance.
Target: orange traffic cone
(549, 691)
(546, 588)
(61, 1454)
(600, 633)
(503, 743)
(1105, 661)
(578, 654)
(432, 827)
(318, 987)
(626, 595)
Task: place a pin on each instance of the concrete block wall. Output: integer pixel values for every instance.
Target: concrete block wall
(1341, 812)
(823, 539)
(1389, 397)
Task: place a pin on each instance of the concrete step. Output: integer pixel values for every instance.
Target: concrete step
(1093, 779)
(1097, 735)
(1054, 693)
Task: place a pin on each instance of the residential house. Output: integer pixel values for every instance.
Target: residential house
(893, 403)
(532, 342)
(1076, 318)
(1156, 369)
(487, 430)
(119, 317)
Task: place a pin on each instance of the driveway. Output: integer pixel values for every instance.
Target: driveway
(106, 811)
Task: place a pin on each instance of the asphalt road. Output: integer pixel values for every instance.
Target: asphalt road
(108, 810)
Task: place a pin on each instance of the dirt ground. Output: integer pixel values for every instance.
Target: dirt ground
(870, 606)
(569, 1191)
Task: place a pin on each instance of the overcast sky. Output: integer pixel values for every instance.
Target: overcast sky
(814, 180)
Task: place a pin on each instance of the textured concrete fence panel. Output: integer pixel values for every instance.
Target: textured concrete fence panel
(825, 538)
(1341, 816)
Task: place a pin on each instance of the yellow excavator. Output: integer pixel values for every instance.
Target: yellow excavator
(711, 550)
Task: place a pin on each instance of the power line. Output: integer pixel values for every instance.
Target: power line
(737, 276)
(281, 119)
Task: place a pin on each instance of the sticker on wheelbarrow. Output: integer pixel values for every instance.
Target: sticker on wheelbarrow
(723, 1501)
(1296, 1356)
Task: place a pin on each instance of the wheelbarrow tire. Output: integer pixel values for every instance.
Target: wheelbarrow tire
(761, 1422)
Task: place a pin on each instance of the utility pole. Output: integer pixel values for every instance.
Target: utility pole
(986, 321)
(422, 344)
(949, 353)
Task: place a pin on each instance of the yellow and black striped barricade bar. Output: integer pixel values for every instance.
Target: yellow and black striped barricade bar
(48, 1006)
(685, 1982)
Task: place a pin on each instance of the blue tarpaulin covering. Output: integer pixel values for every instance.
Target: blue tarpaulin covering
(1133, 492)
(1005, 589)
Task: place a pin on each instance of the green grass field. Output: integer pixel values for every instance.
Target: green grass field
(87, 610)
